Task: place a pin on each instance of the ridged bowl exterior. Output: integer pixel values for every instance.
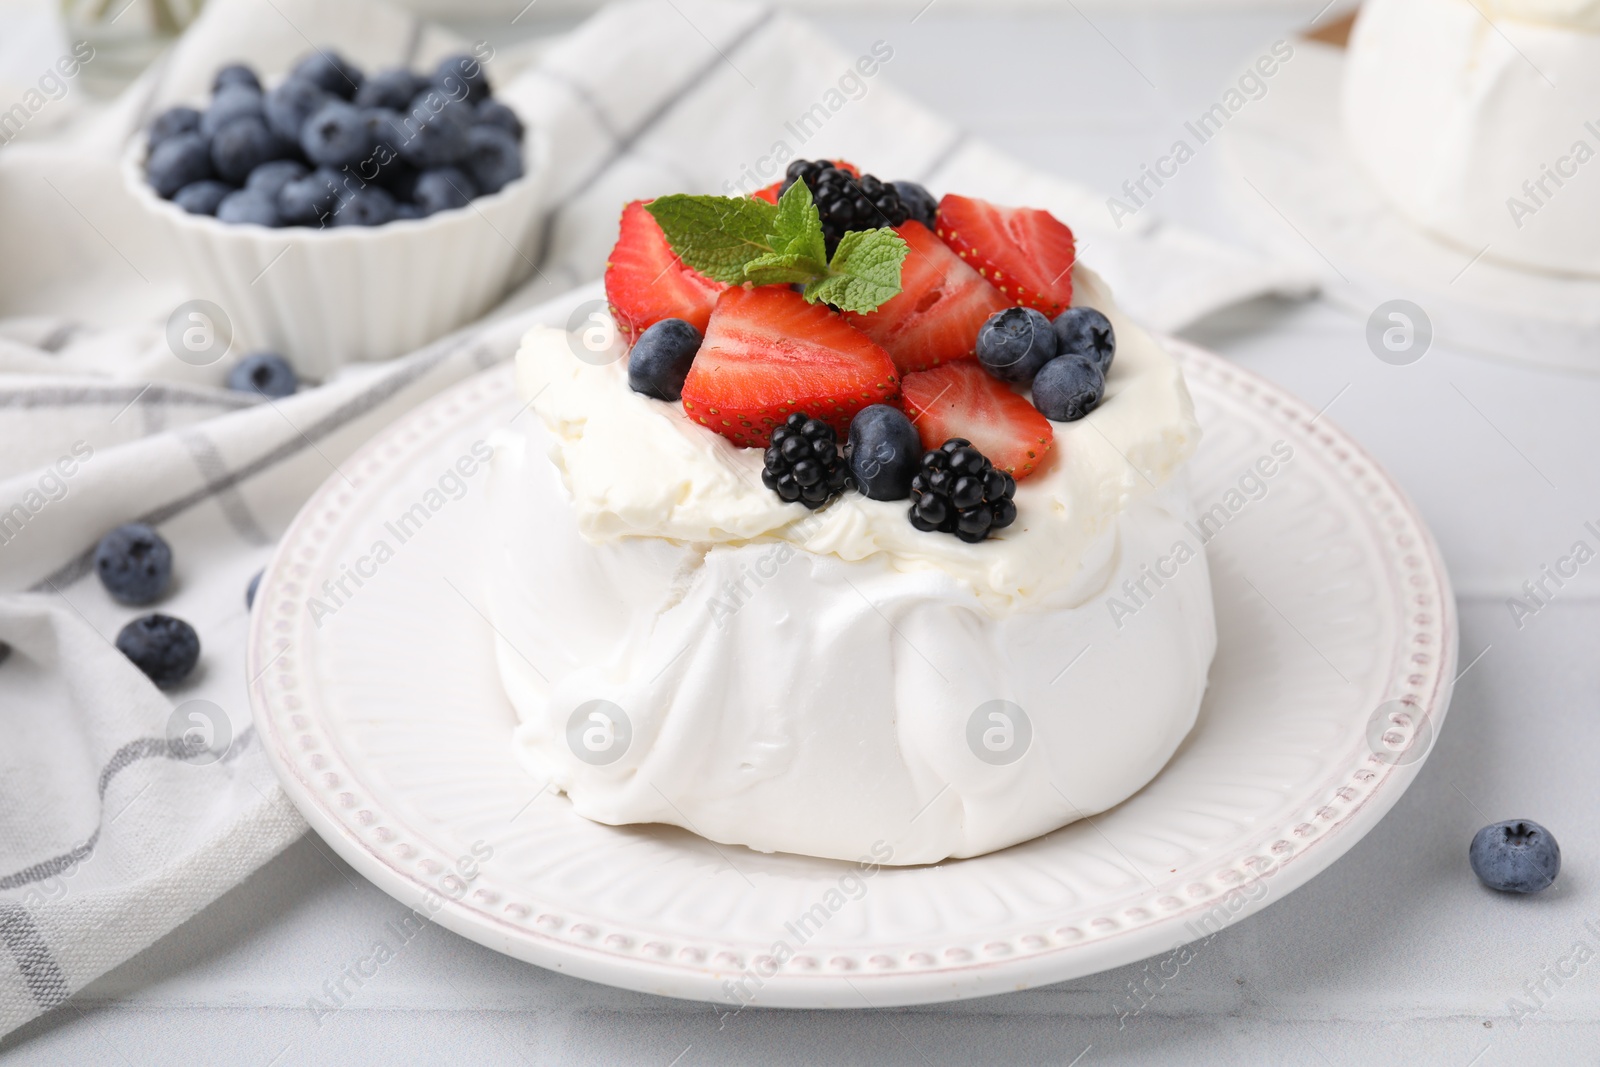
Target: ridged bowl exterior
(327, 297)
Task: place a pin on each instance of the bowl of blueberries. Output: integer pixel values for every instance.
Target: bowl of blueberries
(340, 216)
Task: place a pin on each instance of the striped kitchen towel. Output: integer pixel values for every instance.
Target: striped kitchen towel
(123, 809)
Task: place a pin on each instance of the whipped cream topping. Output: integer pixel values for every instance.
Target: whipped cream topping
(637, 467)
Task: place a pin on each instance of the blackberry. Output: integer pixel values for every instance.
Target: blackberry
(844, 201)
(957, 490)
(803, 464)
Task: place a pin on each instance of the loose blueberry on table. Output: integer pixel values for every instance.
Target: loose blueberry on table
(937, 336)
(264, 373)
(1517, 856)
(330, 146)
(134, 563)
(164, 648)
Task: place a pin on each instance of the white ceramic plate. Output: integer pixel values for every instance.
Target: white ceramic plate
(1310, 202)
(388, 728)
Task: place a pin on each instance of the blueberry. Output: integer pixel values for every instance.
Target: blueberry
(329, 71)
(384, 165)
(492, 112)
(441, 189)
(462, 78)
(393, 89)
(243, 145)
(436, 131)
(1068, 388)
(246, 206)
(235, 74)
(307, 201)
(270, 177)
(164, 648)
(1015, 343)
(337, 134)
(1084, 331)
(370, 206)
(289, 105)
(401, 180)
(134, 563)
(265, 373)
(494, 159)
(919, 203)
(171, 122)
(177, 161)
(250, 590)
(403, 210)
(233, 102)
(661, 357)
(884, 452)
(1517, 856)
(202, 197)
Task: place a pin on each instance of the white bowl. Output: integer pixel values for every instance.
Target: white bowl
(327, 297)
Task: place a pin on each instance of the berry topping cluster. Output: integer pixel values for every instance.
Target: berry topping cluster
(1064, 361)
(937, 337)
(802, 464)
(332, 146)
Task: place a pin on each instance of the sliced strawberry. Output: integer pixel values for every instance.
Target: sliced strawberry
(940, 308)
(1023, 252)
(768, 354)
(963, 400)
(646, 283)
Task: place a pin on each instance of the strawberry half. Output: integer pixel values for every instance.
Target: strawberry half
(964, 400)
(941, 305)
(646, 283)
(1023, 252)
(768, 354)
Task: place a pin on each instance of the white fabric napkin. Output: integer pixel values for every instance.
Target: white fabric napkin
(112, 832)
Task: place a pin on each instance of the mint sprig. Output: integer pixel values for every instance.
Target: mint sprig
(743, 240)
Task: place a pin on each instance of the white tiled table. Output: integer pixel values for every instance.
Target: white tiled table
(1395, 955)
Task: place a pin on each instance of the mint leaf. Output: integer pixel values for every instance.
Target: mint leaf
(797, 230)
(799, 254)
(742, 240)
(778, 268)
(865, 272)
(716, 235)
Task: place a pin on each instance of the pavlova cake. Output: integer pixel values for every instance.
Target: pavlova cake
(864, 539)
(1480, 121)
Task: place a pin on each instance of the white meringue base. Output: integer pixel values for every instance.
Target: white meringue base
(825, 709)
(1484, 127)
